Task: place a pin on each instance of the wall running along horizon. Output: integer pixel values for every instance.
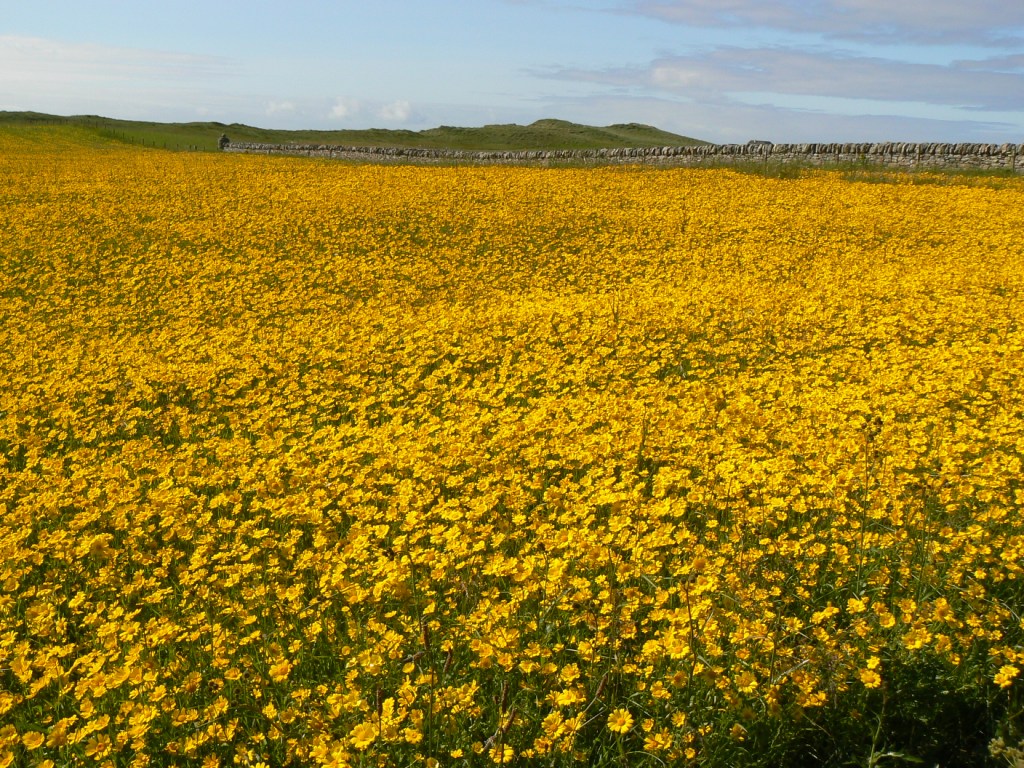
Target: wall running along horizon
(928, 155)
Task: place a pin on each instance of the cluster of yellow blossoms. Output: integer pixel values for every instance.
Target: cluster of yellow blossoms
(313, 463)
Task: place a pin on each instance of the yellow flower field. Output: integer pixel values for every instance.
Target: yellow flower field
(309, 463)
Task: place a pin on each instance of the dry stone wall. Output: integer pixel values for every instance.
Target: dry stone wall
(890, 154)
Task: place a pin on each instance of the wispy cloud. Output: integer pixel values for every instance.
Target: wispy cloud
(1013, 63)
(839, 68)
(737, 121)
(35, 59)
(280, 107)
(980, 22)
(395, 112)
(399, 111)
(986, 84)
(344, 108)
(54, 75)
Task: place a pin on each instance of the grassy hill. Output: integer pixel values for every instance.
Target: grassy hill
(543, 134)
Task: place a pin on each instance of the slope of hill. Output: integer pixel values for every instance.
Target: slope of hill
(542, 134)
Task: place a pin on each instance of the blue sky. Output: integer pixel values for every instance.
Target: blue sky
(721, 70)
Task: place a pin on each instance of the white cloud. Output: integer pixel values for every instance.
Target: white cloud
(396, 111)
(1013, 63)
(280, 107)
(344, 108)
(981, 22)
(35, 59)
(670, 76)
(83, 78)
(714, 74)
(738, 122)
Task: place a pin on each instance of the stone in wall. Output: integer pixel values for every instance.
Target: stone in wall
(898, 154)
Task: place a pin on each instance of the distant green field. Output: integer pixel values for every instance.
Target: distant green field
(543, 134)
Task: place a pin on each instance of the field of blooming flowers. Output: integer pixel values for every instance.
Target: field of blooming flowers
(306, 463)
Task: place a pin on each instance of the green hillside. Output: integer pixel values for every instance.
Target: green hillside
(543, 134)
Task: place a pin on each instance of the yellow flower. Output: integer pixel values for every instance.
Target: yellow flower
(552, 724)
(620, 721)
(1004, 677)
(98, 747)
(502, 754)
(856, 605)
(746, 682)
(362, 735)
(279, 672)
(567, 697)
(916, 638)
(658, 741)
(870, 678)
(32, 739)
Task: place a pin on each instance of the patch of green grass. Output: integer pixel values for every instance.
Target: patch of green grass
(872, 174)
(175, 136)
(994, 178)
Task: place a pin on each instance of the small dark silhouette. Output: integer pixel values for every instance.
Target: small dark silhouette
(223, 141)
